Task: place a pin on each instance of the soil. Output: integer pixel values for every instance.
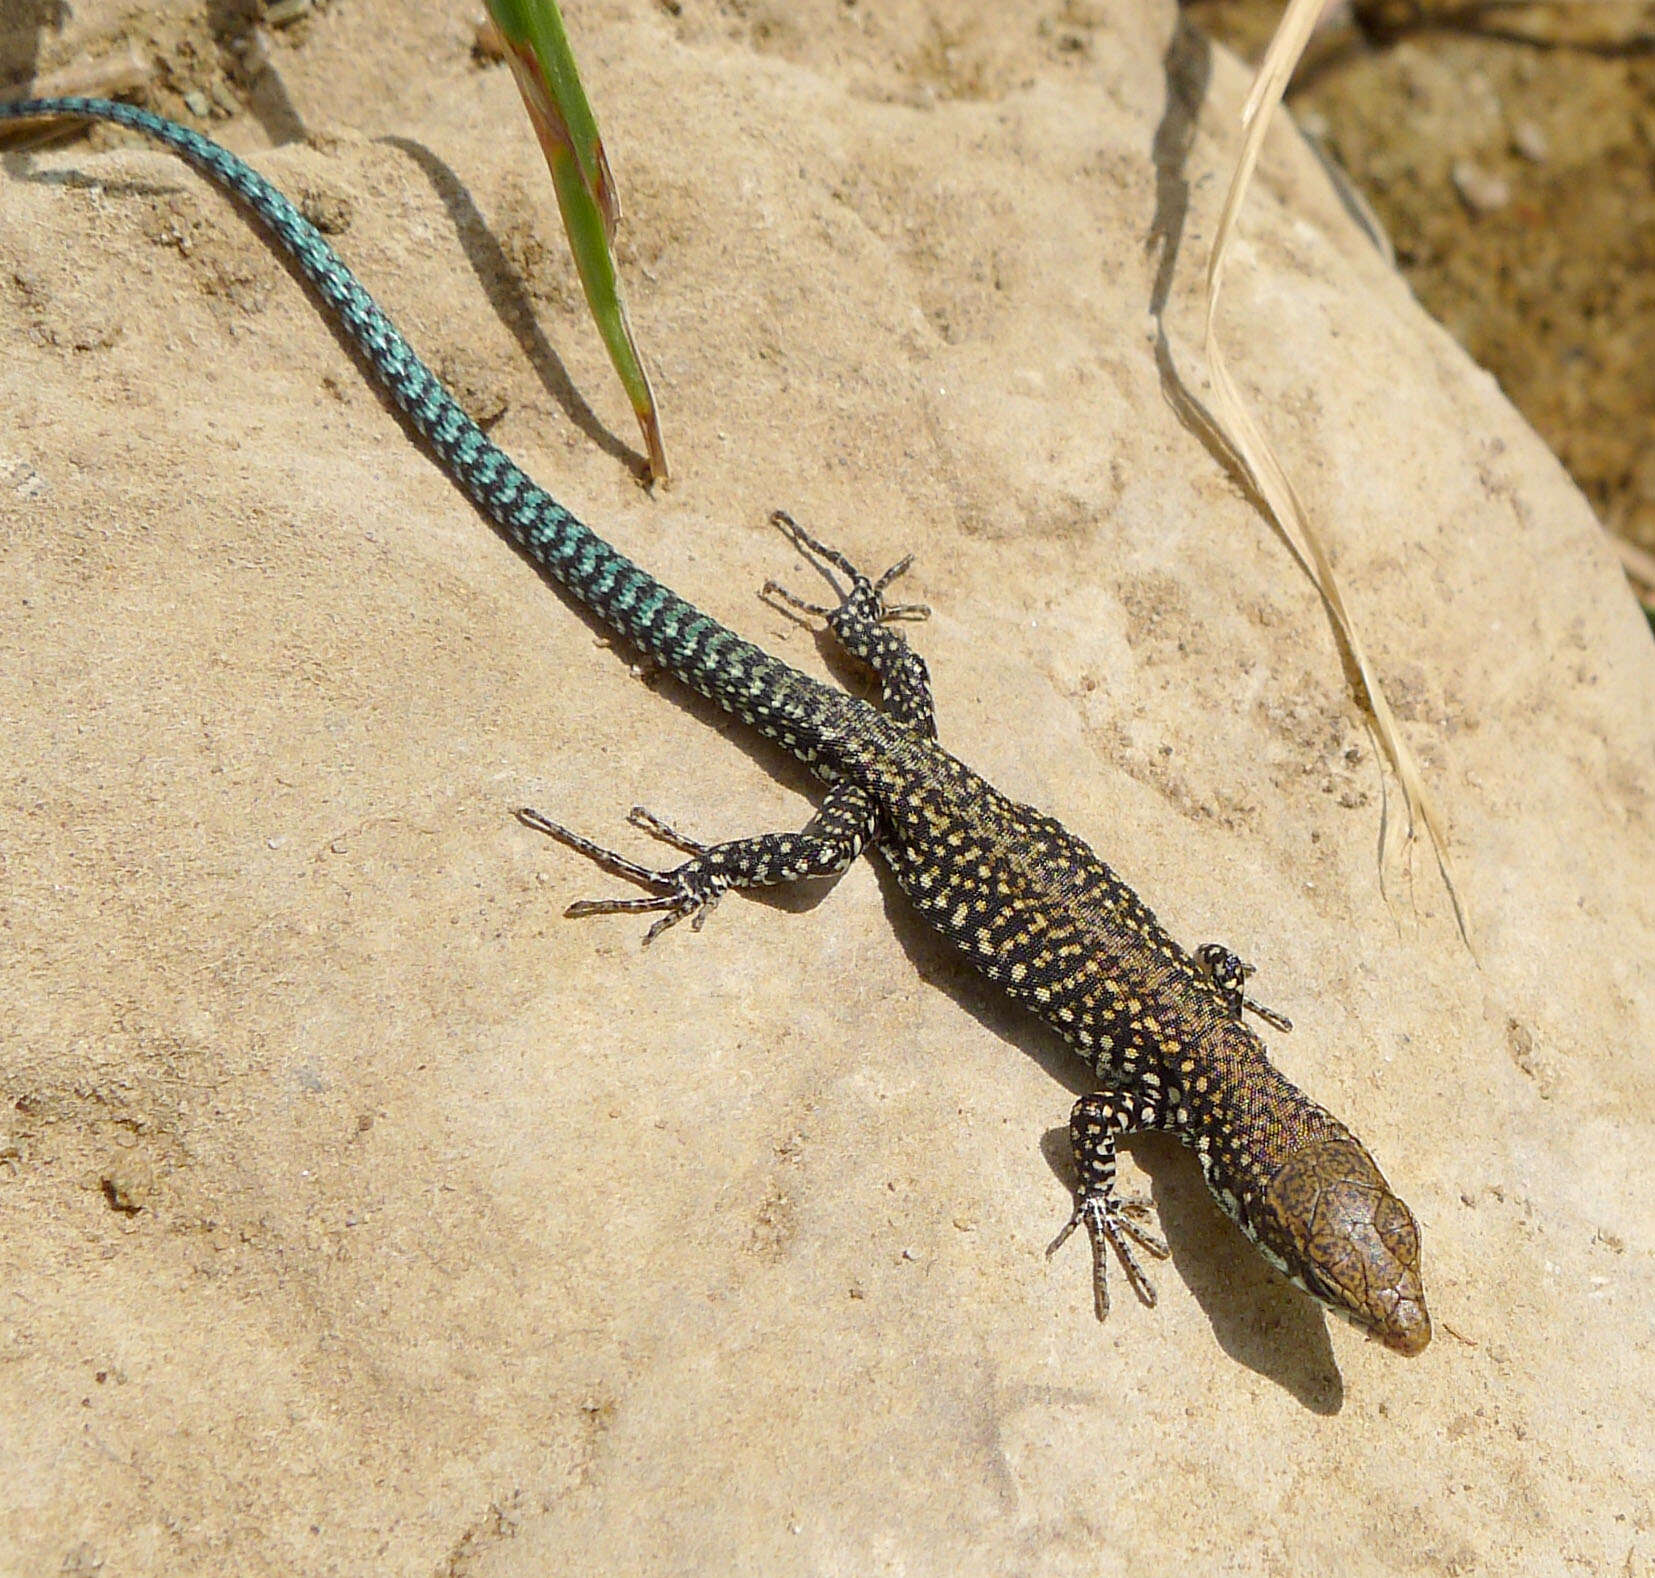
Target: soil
(1509, 152)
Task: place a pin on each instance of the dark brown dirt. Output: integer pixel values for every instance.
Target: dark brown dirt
(1510, 153)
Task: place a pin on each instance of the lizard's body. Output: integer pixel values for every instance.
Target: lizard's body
(1026, 901)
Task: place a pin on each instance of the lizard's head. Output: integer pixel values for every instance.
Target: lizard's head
(1330, 1219)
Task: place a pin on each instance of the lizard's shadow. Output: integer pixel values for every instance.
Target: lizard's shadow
(510, 300)
(1258, 1318)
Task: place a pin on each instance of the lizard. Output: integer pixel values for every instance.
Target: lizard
(1026, 901)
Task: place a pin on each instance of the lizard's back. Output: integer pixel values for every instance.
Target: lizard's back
(1034, 908)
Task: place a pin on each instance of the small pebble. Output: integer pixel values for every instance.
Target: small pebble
(126, 1191)
(1531, 142)
(330, 212)
(1481, 192)
(198, 103)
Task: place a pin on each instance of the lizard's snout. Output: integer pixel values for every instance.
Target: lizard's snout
(1329, 1213)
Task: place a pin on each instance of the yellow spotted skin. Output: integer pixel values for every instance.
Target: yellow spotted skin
(1026, 901)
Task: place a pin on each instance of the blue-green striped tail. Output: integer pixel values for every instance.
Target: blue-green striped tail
(705, 654)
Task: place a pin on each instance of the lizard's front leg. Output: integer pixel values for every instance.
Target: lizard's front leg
(1096, 1123)
(1229, 974)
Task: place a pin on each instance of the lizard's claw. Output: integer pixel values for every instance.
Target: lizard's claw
(1229, 974)
(682, 893)
(1108, 1222)
(868, 594)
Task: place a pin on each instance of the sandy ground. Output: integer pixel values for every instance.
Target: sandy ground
(358, 1214)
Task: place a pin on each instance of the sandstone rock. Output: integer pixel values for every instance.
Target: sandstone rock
(490, 1242)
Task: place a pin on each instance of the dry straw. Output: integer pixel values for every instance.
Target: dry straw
(1269, 476)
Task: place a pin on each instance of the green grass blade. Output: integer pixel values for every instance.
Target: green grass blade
(544, 68)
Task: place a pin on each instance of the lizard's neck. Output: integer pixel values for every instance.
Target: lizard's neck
(1247, 1120)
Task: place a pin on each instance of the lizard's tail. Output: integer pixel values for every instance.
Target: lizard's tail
(695, 647)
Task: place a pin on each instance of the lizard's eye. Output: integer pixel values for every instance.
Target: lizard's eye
(1329, 1213)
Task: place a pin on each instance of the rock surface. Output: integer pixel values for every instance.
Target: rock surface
(359, 1214)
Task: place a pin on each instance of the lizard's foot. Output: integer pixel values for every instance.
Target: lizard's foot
(649, 822)
(1097, 1121)
(1230, 975)
(860, 624)
(829, 842)
(686, 892)
(866, 597)
(1108, 1222)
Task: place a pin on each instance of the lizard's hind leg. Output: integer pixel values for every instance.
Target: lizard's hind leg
(860, 625)
(829, 842)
